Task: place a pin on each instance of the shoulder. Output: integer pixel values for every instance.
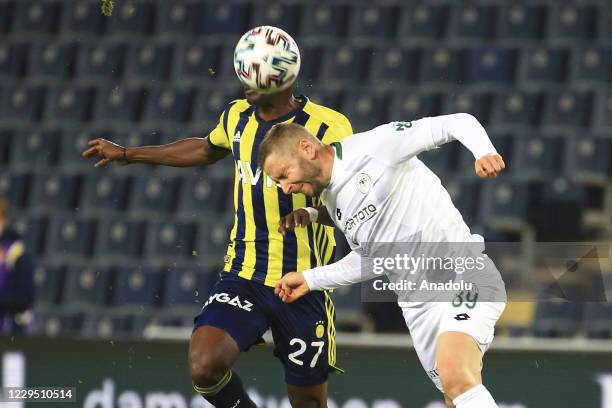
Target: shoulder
(325, 114)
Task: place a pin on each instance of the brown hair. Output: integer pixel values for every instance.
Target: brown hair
(277, 138)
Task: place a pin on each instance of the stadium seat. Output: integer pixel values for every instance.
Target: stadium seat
(74, 142)
(598, 320)
(441, 65)
(466, 197)
(198, 62)
(69, 104)
(325, 20)
(588, 159)
(503, 143)
(35, 148)
(13, 59)
(475, 103)
(168, 240)
(101, 61)
(212, 240)
(349, 309)
(52, 60)
(414, 104)
(443, 160)
(423, 22)
(119, 104)
(148, 61)
(202, 194)
(104, 193)
(557, 318)
(518, 23)
(543, 66)
(153, 194)
(6, 16)
(55, 192)
(374, 22)
(366, 109)
(15, 186)
(508, 204)
(591, 65)
(516, 109)
(69, 238)
(394, 66)
(112, 324)
(187, 288)
(49, 284)
(602, 112)
(87, 288)
(310, 66)
(326, 96)
(225, 18)
(210, 103)
(23, 104)
(346, 64)
(136, 288)
(33, 229)
(282, 15)
(472, 23)
(571, 22)
(169, 104)
(57, 323)
(537, 157)
(132, 18)
(6, 142)
(119, 240)
(178, 18)
(82, 19)
(496, 66)
(36, 17)
(604, 24)
(568, 108)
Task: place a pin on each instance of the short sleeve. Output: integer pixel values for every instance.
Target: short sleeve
(218, 136)
(338, 130)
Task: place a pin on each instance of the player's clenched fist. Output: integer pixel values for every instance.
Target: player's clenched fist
(489, 165)
(297, 218)
(291, 287)
(107, 150)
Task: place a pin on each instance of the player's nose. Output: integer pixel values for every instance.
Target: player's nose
(286, 187)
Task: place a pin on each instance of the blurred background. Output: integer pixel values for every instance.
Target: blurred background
(126, 252)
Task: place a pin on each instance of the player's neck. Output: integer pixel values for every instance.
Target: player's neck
(277, 107)
(327, 164)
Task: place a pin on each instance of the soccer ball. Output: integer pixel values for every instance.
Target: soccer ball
(267, 59)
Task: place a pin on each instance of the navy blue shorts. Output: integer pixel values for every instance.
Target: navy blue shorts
(303, 331)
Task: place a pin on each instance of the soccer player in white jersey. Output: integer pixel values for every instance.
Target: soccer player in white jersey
(376, 190)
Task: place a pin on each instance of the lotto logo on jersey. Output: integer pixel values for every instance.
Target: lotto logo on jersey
(232, 301)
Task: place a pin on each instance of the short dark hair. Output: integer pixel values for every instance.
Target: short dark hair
(276, 139)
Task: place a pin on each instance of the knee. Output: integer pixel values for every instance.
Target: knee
(207, 367)
(307, 401)
(456, 379)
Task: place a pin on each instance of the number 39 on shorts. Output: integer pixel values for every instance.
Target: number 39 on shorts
(467, 298)
(302, 346)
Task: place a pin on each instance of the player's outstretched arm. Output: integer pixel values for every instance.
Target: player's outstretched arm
(301, 218)
(188, 152)
(291, 287)
(489, 165)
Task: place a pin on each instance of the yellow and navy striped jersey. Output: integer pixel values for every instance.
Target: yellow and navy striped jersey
(257, 251)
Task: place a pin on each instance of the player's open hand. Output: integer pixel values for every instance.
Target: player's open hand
(291, 287)
(107, 150)
(297, 218)
(489, 165)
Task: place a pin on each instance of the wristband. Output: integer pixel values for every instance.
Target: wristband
(125, 159)
(313, 213)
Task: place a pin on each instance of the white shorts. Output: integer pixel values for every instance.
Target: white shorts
(427, 320)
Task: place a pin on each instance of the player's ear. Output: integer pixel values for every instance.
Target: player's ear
(306, 146)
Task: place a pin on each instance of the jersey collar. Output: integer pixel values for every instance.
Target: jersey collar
(302, 102)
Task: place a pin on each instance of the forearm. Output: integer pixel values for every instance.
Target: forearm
(188, 152)
(324, 217)
(466, 129)
(346, 271)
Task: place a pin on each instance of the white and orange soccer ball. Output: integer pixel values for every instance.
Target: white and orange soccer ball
(267, 59)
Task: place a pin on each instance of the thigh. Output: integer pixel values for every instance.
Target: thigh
(233, 307)
(304, 338)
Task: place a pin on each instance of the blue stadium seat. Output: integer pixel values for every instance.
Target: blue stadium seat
(349, 308)
(560, 199)
(225, 18)
(53, 191)
(326, 95)
(543, 66)
(210, 103)
(178, 18)
(74, 142)
(82, 18)
(69, 104)
(423, 22)
(557, 318)
(374, 22)
(472, 22)
(508, 204)
(591, 65)
(57, 323)
(517, 108)
(119, 103)
(6, 16)
(568, 109)
(598, 320)
(15, 186)
(475, 103)
(154, 194)
(282, 15)
(33, 229)
(537, 157)
(602, 112)
(13, 59)
(35, 148)
(148, 61)
(346, 64)
(112, 325)
(54, 61)
(212, 239)
(198, 62)
(365, 109)
(442, 161)
(204, 194)
(521, 22)
(69, 237)
(604, 24)
(23, 103)
(101, 61)
(119, 239)
(588, 159)
(132, 18)
(104, 192)
(139, 137)
(49, 284)
(168, 240)
(503, 143)
(188, 287)
(325, 20)
(36, 17)
(571, 22)
(412, 104)
(441, 65)
(6, 142)
(87, 288)
(310, 67)
(169, 104)
(490, 65)
(137, 286)
(394, 66)
(466, 197)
